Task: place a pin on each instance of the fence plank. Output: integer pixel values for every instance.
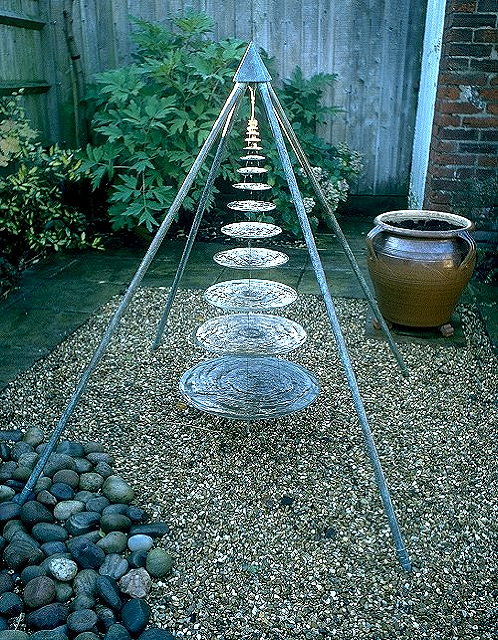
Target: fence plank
(14, 19)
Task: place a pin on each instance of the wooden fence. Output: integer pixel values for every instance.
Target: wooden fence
(373, 45)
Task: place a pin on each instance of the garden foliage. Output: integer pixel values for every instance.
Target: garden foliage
(151, 117)
(34, 219)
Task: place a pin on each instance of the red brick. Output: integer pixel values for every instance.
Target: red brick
(472, 20)
(485, 35)
(477, 147)
(460, 133)
(465, 172)
(447, 120)
(458, 35)
(485, 122)
(442, 172)
(456, 107)
(493, 80)
(492, 108)
(444, 146)
(465, 7)
(488, 65)
(487, 161)
(487, 5)
(489, 94)
(453, 159)
(474, 79)
(489, 135)
(455, 64)
(452, 93)
(469, 50)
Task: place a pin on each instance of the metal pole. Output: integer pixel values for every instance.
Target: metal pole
(336, 329)
(195, 225)
(304, 162)
(237, 91)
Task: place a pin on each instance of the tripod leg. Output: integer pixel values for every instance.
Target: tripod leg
(195, 226)
(336, 329)
(237, 91)
(304, 162)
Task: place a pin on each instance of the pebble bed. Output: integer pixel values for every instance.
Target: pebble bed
(277, 529)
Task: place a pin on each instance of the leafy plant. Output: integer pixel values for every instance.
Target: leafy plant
(33, 217)
(151, 117)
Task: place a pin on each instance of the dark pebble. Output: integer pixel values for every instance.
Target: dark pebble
(137, 559)
(4, 451)
(6, 581)
(47, 532)
(135, 615)
(10, 435)
(3, 543)
(20, 553)
(114, 522)
(23, 535)
(4, 624)
(83, 522)
(92, 447)
(154, 633)
(118, 507)
(9, 511)
(21, 474)
(19, 449)
(136, 514)
(99, 456)
(85, 582)
(48, 617)
(117, 632)
(32, 572)
(73, 449)
(39, 592)
(63, 591)
(11, 605)
(11, 527)
(82, 620)
(83, 602)
(87, 635)
(50, 548)
(57, 462)
(83, 465)
(7, 468)
(103, 469)
(46, 498)
(106, 616)
(97, 504)
(17, 485)
(67, 476)
(114, 566)
(108, 592)
(84, 496)
(86, 554)
(13, 634)
(62, 491)
(34, 512)
(33, 436)
(286, 501)
(49, 635)
(153, 529)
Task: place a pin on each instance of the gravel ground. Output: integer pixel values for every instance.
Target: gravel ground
(277, 527)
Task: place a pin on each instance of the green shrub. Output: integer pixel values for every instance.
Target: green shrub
(151, 117)
(33, 217)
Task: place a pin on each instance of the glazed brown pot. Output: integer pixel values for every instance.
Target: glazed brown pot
(420, 262)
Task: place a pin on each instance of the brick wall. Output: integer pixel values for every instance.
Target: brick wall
(464, 143)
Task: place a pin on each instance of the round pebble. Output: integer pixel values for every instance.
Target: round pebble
(140, 542)
(82, 620)
(38, 592)
(63, 569)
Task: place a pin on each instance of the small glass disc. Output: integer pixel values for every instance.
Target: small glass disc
(252, 186)
(252, 156)
(250, 295)
(253, 388)
(251, 205)
(250, 258)
(251, 230)
(247, 171)
(250, 333)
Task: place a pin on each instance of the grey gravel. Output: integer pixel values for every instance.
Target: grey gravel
(245, 564)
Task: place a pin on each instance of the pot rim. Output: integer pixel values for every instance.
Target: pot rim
(459, 222)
